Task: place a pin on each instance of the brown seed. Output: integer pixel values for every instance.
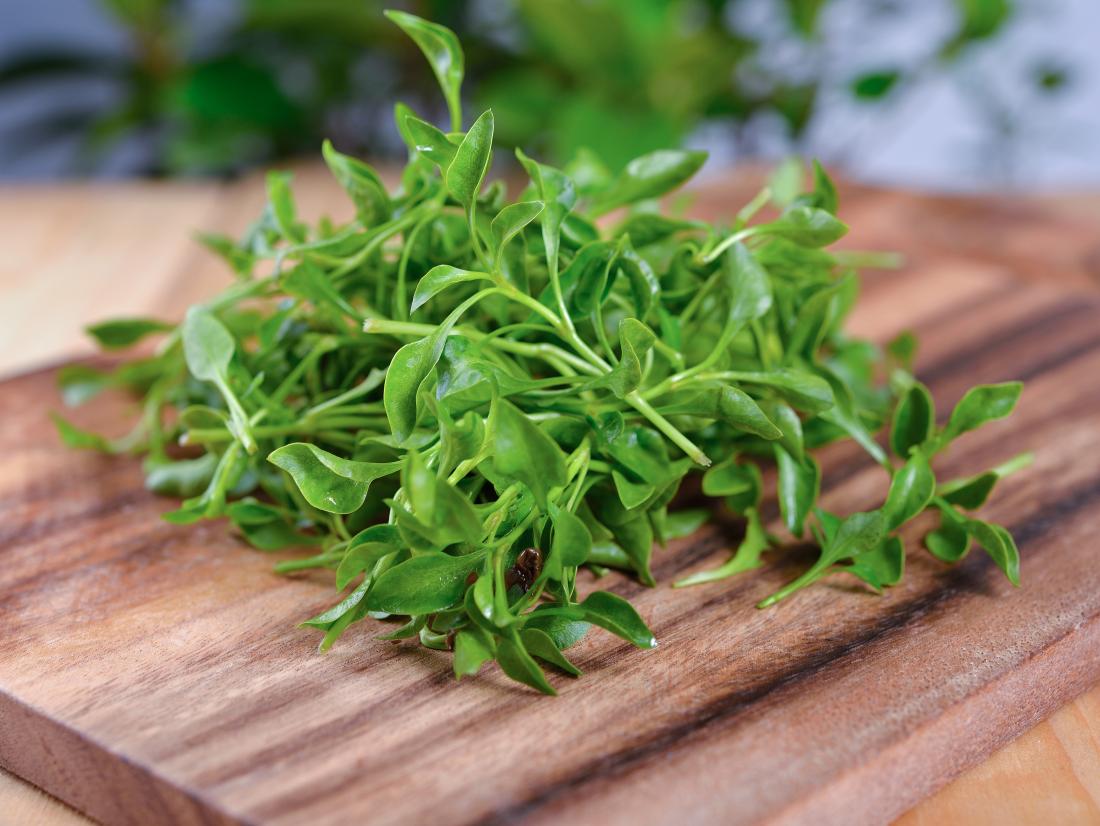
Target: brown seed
(526, 570)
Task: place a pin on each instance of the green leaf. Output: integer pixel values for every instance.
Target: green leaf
(524, 453)
(748, 288)
(473, 648)
(882, 566)
(207, 345)
(208, 349)
(783, 416)
(635, 342)
(730, 479)
(557, 192)
(807, 226)
(745, 558)
(471, 161)
(424, 584)
(120, 333)
(429, 141)
(76, 437)
(517, 664)
(785, 182)
(181, 478)
(444, 53)
(365, 549)
(804, 391)
(328, 482)
(571, 542)
(951, 541)
(1000, 546)
(798, 488)
(411, 365)
(722, 402)
(914, 420)
(541, 645)
(650, 176)
(971, 492)
(510, 221)
(981, 404)
(361, 182)
(910, 491)
(874, 85)
(631, 494)
(615, 614)
(439, 278)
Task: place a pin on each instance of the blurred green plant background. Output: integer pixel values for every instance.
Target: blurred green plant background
(271, 78)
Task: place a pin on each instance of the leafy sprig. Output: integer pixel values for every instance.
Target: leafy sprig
(460, 401)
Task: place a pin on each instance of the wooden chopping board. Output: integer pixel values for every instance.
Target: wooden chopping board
(150, 673)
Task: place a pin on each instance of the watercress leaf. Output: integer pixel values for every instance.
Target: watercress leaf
(748, 288)
(803, 390)
(439, 278)
(910, 491)
(981, 404)
(564, 631)
(524, 453)
(183, 477)
(517, 664)
(635, 342)
(745, 558)
(571, 540)
(649, 176)
(998, 543)
(346, 606)
(683, 523)
(510, 221)
(645, 228)
(881, 566)
(473, 648)
(471, 161)
(539, 644)
(77, 437)
(207, 345)
(631, 494)
(807, 226)
(644, 286)
(786, 182)
(329, 482)
(412, 364)
(732, 479)
(361, 182)
(824, 192)
(723, 402)
(951, 541)
(429, 141)
(444, 53)
(798, 487)
(914, 420)
(615, 614)
(557, 192)
(365, 549)
(783, 416)
(970, 493)
(119, 333)
(423, 584)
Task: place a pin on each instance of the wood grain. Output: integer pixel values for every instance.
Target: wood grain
(138, 650)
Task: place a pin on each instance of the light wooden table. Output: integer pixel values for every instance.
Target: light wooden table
(77, 253)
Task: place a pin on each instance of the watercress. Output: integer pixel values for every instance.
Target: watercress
(457, 400)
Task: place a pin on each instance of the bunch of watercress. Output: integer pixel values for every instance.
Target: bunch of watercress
(459, 401)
